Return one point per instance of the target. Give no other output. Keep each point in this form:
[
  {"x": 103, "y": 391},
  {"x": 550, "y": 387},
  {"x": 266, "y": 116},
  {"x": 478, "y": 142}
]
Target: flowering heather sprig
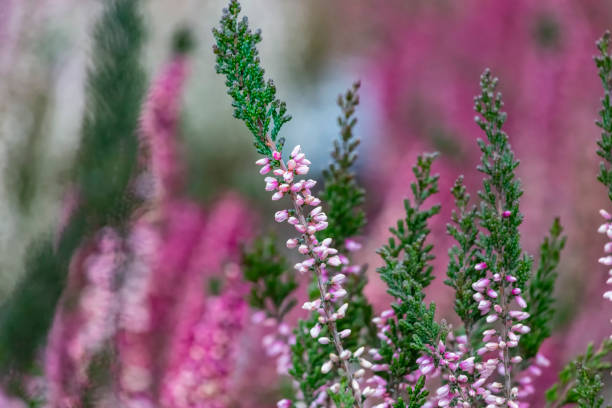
[
  {"x": 604, "y": 66},
  {"x": 407, "y": 329},
  {"x": 320, "y": 255},
  {"x": 255, "y": 104},
  {"x": 508, "y": 268},
  {"x": 84, "y": 321}
]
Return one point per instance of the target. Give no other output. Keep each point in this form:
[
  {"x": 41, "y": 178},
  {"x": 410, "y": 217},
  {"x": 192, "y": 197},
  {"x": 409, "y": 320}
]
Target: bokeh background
[{"x": 419, "y": 64}]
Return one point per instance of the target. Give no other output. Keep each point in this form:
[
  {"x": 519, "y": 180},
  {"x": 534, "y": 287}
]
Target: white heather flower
[
  {"x": 315, "y": 330},
  {"x": 326, "y": 367}
]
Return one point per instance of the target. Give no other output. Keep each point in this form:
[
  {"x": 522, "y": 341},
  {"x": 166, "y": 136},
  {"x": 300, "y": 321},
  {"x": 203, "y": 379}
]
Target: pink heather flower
[
  {"x": 8, "y": 402},
  {"x": 159, "y": 125},
  {"x": 80, "y": 330},
  {"x": 201, "y": 375},
  {"x": 284, "y": 403}
]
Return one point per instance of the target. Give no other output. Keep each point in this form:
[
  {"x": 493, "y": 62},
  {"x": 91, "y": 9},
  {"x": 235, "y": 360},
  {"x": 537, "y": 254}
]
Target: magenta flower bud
[
  {"x": 518, "y": 315},
  {"x": 334, "y": 261},
  {"x": 276, "y": 155},
  {"x": 316, "y": 211},
  {"x": 521, "y": 328},
  {"x": 491, "y": 293},
  {"x": 506, "y": 214},
  {"x": 281, "y": 216},
  {"x": 339, "y": 278},
  {"x": 323, "y": 340},
  {"x": 292, "y": 243},
  {"x": 345, "y": 333},
  {"x": 278, "y": 172},
  {"x": 605, "y": 214},
  {"x": 288, "y": 177},
  {"x": 492, "y": 318},
  {"x": 315, "y": 201},
  {"x": 516, "y": 291},
  {"x": 296, "y": 151},
  {"x": 291, "y": 165},
  {"x": 262, "y": 162},
  {"x": 481, "y": 266},
  {"x": 340, "y": 293},
  {"x": 480, "y": 285},
  {"x": 296, "y": 187},
  {"x": 607, "y": 260},
  {"x": 284, "y": 403},
  {"x": 484, "y": 305},
  {"x": 303, "y": 249},
  {"x": 510, "y": 278},
  {"x": 265, "y": 169},
  {"x": 315, "y": 331},
  {"x": 277, "y": 196},
  {"x": 521, "y": 302}
]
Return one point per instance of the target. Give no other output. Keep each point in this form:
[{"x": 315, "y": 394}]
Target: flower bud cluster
[
  {"x": 320, "y": 257},
  {"x": 606, "y": 228},
  {"x": 494, "y": 296}
]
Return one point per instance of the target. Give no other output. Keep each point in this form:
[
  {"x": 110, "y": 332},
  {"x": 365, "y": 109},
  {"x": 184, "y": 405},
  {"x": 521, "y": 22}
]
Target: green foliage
[
  {"x": 115, "y": 90},
  {"x": 343, "y": 196},
  {"x": 416, "y": 396},
  {"x": 604, "y": 66},
  {"x": 346, "y": 218},
  {"x": 254, "y": 99},
  {"x": 104, "y": 166},
  {"x": 539, "y": 294},
  {"x": 463, "y": 256},
  {"x": 501, "y": 189},
  {"x": 407, "y": 271},
  {"x": 580, "y": 380},
  {"x": 273, "y": 281},
  {"x": 407, "y": 256}
]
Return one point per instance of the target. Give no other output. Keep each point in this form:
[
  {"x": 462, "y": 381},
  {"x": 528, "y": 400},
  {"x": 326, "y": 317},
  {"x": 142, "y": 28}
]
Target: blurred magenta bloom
[{"x": 84, "y": 320}]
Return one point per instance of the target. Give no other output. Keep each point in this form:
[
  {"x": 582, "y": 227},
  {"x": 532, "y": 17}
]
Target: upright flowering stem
[
  {"x": 499, "y": 244},
  {"x": 309, "y": 245}
]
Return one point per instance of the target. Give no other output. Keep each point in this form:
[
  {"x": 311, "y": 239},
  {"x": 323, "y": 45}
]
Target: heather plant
[
  {"x": 103, "y": 170},
  {"x": 147, "y": 298},
  {"x": 504, "y": 302}
]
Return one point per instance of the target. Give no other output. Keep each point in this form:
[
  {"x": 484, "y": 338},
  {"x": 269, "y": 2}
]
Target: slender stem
[{"x": 327, "y": 306}]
